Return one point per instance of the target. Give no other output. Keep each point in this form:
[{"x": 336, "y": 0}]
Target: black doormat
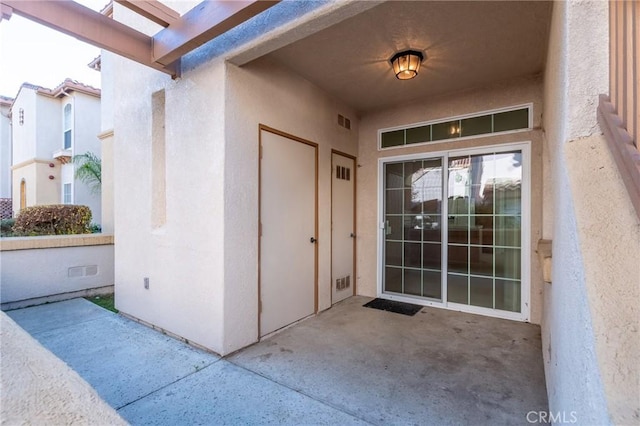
[{"x": 393, "y": 306}]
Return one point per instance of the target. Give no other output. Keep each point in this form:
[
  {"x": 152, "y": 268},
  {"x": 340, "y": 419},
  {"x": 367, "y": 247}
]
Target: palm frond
[{"x": 89, "y": 170}]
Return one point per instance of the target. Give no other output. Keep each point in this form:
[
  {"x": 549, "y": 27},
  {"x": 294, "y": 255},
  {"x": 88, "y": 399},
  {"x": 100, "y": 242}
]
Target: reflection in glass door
[
  {"x": 413, "y": 240},
  {"x": 481, "y": 233}
]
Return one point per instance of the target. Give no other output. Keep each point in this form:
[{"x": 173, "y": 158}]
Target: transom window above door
[{"x": 475, "y": 125}]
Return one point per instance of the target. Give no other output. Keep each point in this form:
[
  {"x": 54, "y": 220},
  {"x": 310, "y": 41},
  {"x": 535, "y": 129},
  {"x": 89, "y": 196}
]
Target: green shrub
[
  {"x": 5, "y": 227},
  {"x": 57, "y": 219},
  {"x": 94, "y": 228}
]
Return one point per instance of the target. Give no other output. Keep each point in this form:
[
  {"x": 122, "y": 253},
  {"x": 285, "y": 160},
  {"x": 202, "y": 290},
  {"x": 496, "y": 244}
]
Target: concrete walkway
[{"x": 348, "y": 365}]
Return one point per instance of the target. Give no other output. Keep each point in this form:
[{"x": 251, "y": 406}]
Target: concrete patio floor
[{"x": 348, "y": 365}]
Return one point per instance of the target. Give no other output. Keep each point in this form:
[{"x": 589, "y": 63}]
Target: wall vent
[
  {"x": 82, "y": 271},
  {"x": 343, "y": 283},
  {"x": 344, "y": 122},
  {"x": 343, "y": 173}
]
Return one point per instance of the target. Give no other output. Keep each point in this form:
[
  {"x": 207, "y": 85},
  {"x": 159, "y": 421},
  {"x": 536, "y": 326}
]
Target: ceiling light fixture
[{"x": 406, "y": 64}]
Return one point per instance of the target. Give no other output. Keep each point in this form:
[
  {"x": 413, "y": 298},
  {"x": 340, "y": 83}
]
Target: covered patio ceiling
[{"x": 467, "y": 45}]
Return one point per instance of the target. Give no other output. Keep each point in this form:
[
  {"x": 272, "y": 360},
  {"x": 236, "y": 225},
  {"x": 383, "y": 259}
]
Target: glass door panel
[
  {"x": 483, "y": 229},
  {"x": 413, "y": 228}
]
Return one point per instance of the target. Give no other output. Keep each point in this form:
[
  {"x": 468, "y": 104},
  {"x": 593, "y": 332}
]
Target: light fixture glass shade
[{"x": 406, "y": 64}]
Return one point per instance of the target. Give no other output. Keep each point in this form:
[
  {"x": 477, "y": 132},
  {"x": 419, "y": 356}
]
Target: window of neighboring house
[
  {"x": 21, "y": 116},
  {"x": 66, "y": 194},
  {"x": 23, "y": 194},
  {"x": 67, "y": 126}
]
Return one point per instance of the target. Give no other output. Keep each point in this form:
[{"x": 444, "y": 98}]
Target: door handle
[
  {"x": 352, "y": 235},
  {"x": 312, "y": 240}
]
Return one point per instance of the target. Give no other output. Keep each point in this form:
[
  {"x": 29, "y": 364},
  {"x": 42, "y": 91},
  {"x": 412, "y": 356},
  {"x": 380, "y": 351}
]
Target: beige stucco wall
[
  {"x": 183, "y": 259},
  {"x": 24, "y": 135},
  {"x": 609, "y": 236},
  {"x": 40, "y": 189},
  {"x": 86, "y": 125},
  {"x": 302, "y": 110},
  {"x": 591, "y": 321},
  {"x": 5, "y": 151},
  {"x": 37, "y": 267},
  {"x": 517, "y": 92},
  {"x": 202, "y": 261},
  {"x": 106, "y": 187}
]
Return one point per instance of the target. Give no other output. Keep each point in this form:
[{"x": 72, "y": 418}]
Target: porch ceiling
[{"x": 467, "y": 44}]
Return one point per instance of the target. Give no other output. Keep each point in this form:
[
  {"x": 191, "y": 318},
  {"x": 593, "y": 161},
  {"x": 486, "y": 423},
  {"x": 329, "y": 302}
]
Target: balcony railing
[{"x": 618, "y": 112}]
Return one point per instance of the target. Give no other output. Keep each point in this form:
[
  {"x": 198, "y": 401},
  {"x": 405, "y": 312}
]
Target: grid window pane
[
  {"x": 394, "y": 228},
  {"x": 458, "y": 260},
  {"x": 393, "y": 201},
  {"x": 482, "y": 262},
  {"x": 393, "y": 254},
  {"x": 413, "y": 228},
  {"x": 481, "y": 292},
  {"x": 394, "y": 176},
  {"x": 448, "y": 130},
  {"x": 511, "y": 120},
  {"x": 413, "y": 255},
  {"x": 508, "y": 231},
  {"x": 508, "y": 295},
  {"x": 432, "y": 284},
  {"x": 393, "y": 138},
  {"x": 432, "y": 230},
  {"x": 457, "y": 289},
  {"x": 508, "y": 263},
  {"x": 475, "y": 125},
  {"x": 412, "y": 282},
  {"x": 419, "y": 134},
  {"x": 393, "y": 279},
  {"x": 67, "y": 139},
  {"x": 432, "y": 255},
  {"x": 412, "y": 202}
]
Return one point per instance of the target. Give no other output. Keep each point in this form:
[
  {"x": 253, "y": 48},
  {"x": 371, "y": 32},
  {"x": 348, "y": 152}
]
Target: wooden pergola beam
[
  {"x": 207, "y": 20},
  {"x": 91, "y": 27},
  {"x": 152, "y": 10},
  {"x": 163, "y": 51},
  {"x": 5, "y": 12}
]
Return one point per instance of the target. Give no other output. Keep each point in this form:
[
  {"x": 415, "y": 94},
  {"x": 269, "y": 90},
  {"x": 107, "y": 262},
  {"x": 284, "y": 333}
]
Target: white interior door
[
  {"x": 288, "y": 231},
  {"x": 342, "y": 227}
]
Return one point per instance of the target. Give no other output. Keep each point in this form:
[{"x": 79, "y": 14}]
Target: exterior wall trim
[
  {"x": 625, "y": 154},
  {"x": 29, "y": 162},
  {"x": 106, "y": 134},
  {"x": 54, "y": 241}
]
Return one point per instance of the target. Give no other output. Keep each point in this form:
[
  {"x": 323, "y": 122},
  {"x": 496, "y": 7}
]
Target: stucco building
[
  {"x": 286, "y": 167},
  {"x": 5, "y": 157},
  {"x": 49, "y": 127}
]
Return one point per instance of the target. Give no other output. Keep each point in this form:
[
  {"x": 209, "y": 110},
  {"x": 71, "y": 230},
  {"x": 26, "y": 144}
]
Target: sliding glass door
[{"x": 465, "y": 251}]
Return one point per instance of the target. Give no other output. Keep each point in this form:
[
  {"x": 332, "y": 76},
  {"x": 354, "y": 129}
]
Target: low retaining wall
[{"x": 35, "y": 270}]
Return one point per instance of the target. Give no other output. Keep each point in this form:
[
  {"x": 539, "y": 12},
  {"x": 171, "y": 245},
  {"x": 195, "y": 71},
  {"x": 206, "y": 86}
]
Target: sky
[{"x": 33, "y": 53}]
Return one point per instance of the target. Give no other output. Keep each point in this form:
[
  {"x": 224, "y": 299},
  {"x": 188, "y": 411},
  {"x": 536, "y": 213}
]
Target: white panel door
[
  {"x": 342, "y": 227},
  {"x": 288, "y": 222}
]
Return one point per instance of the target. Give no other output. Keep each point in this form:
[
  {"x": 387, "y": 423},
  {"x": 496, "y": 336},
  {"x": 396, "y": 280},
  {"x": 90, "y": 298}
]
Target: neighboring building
[
  {"x": 5, "y": 157},
  {"x": 49, "y": 127},
  {"x": 484, "y": 185}
]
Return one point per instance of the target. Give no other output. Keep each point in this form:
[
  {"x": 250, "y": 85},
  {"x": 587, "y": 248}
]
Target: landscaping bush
[
  {"x": 94, "y": 228},
  {"x": 5, "y": 227},
  {"x": 57, "y": 219}
]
